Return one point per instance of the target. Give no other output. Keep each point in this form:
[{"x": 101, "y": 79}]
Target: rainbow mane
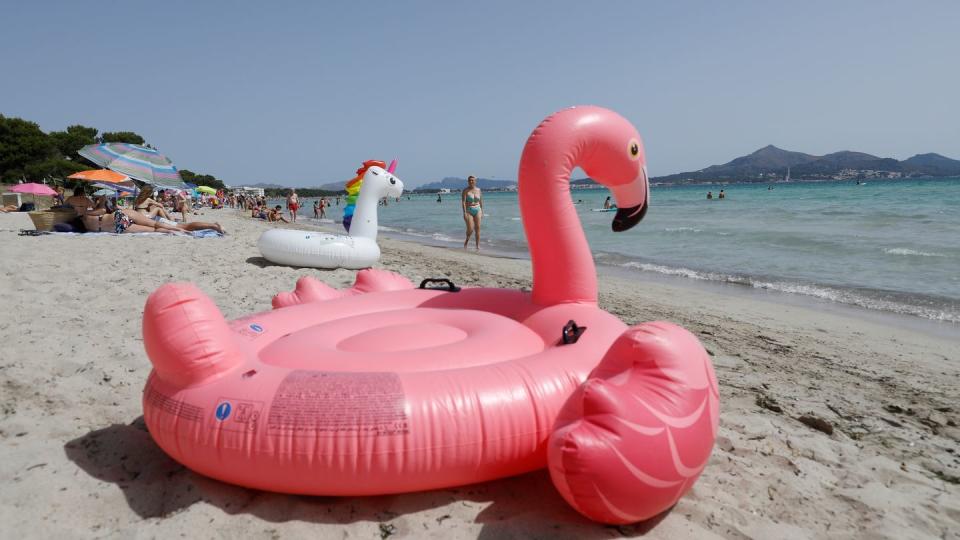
[{"x": 353, "y": 190}]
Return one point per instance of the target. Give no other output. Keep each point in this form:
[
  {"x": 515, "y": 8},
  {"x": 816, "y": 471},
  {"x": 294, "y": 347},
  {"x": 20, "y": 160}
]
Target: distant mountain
[
  {"x": 771, "y": 163},
  {"x": 334, "y": 186},
  {"x": 933, "y": 164},
  {"x": 456, "y": 183},
  {"x": 584, "y": 182}
]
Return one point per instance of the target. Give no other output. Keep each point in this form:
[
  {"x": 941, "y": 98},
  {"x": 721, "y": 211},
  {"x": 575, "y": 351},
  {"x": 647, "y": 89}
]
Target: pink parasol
[{"x": 33, "y": 188}]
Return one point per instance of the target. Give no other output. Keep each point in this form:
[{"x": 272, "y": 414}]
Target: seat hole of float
[{"x": 249, "y": 374}]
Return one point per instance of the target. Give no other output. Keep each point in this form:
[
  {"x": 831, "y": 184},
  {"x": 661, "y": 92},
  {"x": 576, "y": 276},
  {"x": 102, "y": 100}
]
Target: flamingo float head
[
  {"x": 608, "y": 148},
  {"x": 615, "y": 158}
]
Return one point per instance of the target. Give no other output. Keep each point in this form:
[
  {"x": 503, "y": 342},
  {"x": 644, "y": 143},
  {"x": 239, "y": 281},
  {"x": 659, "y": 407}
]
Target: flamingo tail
[
  {"x": 637, "y": 434},
  {"x": 311, "y": 289},
  {"x": 186, "y": 337}
]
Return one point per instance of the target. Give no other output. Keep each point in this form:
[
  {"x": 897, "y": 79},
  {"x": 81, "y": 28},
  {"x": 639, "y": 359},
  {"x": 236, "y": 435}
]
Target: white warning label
[{"x": 332, "y": 404}]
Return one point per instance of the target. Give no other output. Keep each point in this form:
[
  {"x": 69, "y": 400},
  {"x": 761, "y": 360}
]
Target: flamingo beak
[
  {"x": 626, "y": 218},
  {"x": 632, "y": 202}
]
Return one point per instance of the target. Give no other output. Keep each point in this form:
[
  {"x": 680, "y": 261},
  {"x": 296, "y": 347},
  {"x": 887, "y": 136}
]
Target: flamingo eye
[{"x": 634, "y": 149}]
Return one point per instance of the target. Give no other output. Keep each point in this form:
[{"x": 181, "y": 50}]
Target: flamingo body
[{"x": 386, "y": 388}]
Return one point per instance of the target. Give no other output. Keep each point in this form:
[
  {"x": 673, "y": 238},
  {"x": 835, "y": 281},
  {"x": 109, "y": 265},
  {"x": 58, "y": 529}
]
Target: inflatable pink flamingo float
[{"x": 387, "y": 387}]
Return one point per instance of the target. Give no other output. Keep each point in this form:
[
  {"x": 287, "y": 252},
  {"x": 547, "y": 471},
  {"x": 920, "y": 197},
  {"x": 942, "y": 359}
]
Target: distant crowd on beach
[{"x": 150, "y": 211}]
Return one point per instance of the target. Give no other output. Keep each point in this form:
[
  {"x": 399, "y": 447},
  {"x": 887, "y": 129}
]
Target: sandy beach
[{"x": 831, "y": 425}]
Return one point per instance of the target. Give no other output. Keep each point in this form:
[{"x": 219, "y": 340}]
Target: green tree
[
  {"x": 74, "y": 138},
  {"x": 53, "y": 168},
  {"x": 209, "y": 180},
  {"x": 122, "y": 136},
  {"x": 23, "y": 144}
]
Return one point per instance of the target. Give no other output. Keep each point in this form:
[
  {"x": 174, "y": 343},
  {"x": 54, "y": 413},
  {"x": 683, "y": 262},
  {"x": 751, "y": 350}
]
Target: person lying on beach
[
  {"x": 276, "y": 214},
  {"x": 9, "y": 208},
  {"x": 79, "y": 201},
  {"x": 102, "y": 206},
  {"x": 258, "y": 212},
  {"x": 148, "y": 206},
  {"x": 132, "y": 221}
]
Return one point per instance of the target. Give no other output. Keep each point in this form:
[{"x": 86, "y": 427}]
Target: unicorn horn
[{"x": 392, "y": 167}]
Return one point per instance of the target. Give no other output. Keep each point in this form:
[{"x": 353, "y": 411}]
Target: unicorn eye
[{"x": 393, "y": 180}]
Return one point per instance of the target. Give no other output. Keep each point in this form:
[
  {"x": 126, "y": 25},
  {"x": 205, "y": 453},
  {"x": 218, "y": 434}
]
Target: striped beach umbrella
[{"x": 137, "y": 162}]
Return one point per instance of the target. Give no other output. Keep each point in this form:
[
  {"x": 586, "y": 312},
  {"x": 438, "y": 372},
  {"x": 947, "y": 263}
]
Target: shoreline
[
  {"x": 945, "y": 329},
  {"x": 78, "y": 462}
]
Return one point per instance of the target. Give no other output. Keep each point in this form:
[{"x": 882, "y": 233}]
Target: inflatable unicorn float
[
  {"x": 387, "y": 387},
  {"x": 359, "y": 249}
]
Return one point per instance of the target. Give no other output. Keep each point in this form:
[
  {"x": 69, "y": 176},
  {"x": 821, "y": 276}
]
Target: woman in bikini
[
  {"x": 123, "y": 220},
  {"x": 149, "y": 207},
  {"x": 471, "y": 200}
]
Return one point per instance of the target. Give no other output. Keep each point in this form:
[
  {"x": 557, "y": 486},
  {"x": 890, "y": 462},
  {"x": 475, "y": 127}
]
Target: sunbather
[
  {"x": 276, "y": 214},
  {"x": 125, "y": 220},
  {"x": 79, "y": 201},
  {"x": 148, "y": 206}
]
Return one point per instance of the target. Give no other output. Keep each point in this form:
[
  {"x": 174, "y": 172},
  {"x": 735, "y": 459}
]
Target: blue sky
[{"x": 300, "y": 93}]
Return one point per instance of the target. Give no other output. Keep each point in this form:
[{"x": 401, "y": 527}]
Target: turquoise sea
[{"x": 890, "y": 245}]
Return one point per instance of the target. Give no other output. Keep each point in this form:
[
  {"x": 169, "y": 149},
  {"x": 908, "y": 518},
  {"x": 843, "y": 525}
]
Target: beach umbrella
[
  {"x": 100, "y": 175},
  {"x": 105, "y": 192},
  {"x": 137, "y": 162},
  {"x": 126, "y": 187},
  {"x": 206, "y": 189},
  {"x": 34, "y": 189}
]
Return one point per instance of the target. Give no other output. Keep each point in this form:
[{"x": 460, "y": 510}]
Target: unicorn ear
[{"x": 392, "y": 167}]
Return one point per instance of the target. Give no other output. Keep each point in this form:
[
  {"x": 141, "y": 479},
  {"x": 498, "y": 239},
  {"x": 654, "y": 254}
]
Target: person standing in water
[
  {"x": 607, "y": 204},
  {"x": 722, "y": 196},
  {"x": 709, "y": 194},
  {"x": 293, "y": 204},
  {"x": 471, "y": 200}
]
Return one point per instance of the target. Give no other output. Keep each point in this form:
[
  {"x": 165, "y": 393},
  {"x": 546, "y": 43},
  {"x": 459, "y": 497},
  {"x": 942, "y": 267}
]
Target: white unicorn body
[{"x": 318, "y": 249}]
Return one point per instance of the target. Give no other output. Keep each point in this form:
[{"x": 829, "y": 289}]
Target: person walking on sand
[
  {"x": 471, "y": 200},
  {"x": 323, "y": 207},
  {"x": 316, "y": 209},
  {"x": 293, "y": 204}
]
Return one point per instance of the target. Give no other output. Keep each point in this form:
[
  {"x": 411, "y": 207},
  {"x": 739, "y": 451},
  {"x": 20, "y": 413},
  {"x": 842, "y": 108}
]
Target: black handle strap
[
  {"x": 571, "y": 332},
  {"x": 449, "y": 285}
]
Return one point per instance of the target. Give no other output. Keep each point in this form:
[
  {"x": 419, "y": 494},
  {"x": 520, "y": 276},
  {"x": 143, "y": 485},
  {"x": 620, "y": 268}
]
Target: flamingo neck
[
  {"x": 364, "y": 224},
  {"x": 563, "y": 269}
]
